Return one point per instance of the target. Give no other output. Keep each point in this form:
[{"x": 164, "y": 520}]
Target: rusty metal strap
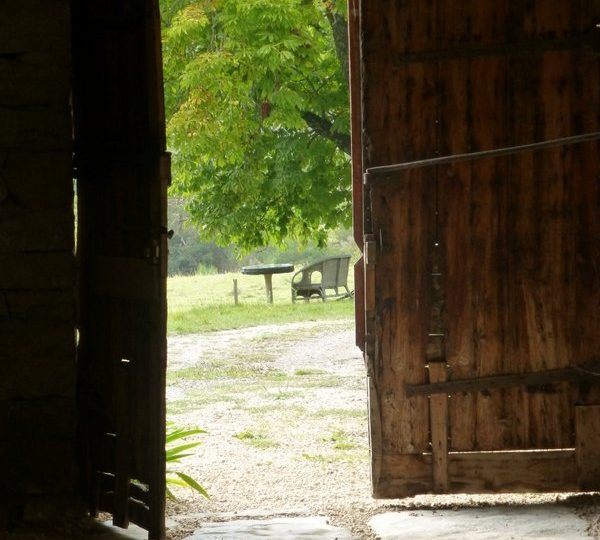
[
  {"x": 587, "y": 373},
  {"x": 373, "y": 173}
]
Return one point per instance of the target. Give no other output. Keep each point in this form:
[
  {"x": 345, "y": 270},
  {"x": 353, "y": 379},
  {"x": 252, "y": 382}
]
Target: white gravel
[{"x": 301, "y": 474}]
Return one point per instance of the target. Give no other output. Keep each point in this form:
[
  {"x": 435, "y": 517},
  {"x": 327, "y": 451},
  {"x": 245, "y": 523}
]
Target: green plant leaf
[
  {"x": 175, "y": 452},
  {"x": 181, "y": 433},
  {"x": 193, "y": 484}
]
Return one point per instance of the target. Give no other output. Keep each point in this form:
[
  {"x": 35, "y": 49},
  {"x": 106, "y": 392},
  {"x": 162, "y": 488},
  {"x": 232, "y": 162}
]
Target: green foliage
[
  {"x": 175, "y": 453},
  {"x": 188, "y": 255},
  {"x": 258, "y": 117}
]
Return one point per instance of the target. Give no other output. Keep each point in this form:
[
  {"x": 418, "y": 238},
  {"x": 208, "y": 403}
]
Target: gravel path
[
  {"x": 305, "y": 448},
  {"x": 299, "y": 471}
]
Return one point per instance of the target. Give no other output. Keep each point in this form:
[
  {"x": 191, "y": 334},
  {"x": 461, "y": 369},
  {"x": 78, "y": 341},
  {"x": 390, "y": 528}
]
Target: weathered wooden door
[
  {"x": 122, "y": 172},
  {"x": 482, "y": 273}
]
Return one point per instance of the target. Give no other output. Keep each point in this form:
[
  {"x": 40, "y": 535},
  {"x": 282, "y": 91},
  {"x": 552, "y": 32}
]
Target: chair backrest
[
  {"x": 335, "y": 271},
  {"x": 342, "y": 279}
]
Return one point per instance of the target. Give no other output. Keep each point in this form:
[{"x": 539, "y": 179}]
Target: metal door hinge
[{"x": 370, "y": 250}]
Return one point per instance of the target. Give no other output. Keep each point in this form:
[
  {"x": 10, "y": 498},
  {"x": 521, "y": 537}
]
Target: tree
[{"x": 258, "y": 119}]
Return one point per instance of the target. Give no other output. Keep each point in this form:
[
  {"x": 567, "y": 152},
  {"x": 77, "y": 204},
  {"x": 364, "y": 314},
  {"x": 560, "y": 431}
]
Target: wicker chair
[{"x": 315, "y": 280}]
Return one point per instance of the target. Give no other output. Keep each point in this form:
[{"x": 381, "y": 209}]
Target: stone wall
[{"x": 37, "y": 269}]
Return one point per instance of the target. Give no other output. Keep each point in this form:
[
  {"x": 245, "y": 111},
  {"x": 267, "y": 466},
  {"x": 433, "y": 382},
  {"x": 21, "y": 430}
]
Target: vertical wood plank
[
  {"x": 438, "y": 410},
  {"x": 587, "y": 447},
  {"x": 123, "y": 443}
]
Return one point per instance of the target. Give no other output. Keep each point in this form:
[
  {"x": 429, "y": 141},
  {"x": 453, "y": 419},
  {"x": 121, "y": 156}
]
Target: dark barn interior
[
  {"x": 83, "y": 334},
  {"x": 478, "y": 300}
]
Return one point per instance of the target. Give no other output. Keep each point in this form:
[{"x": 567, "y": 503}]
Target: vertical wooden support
[
  {"x": 587, "y": 447},
  {"x": 123, "y": 445},
  {"x": 357, "y": 169},
  {"x": 438, "y": 408},
  {"x": 370, "y": 256},
  {"x": 235, "y": 292}
]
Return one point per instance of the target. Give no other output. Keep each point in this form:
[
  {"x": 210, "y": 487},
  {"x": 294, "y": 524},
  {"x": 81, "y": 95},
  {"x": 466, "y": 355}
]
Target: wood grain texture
[
  {"x": 513, "y": 472},
  {"x": 518, "y": 234},
  {"x": 401, "y": 279},
  {"x": 587, "y": 447},
  {"x": 438, "y": 411},
  {"x": 403, "y": 475}
]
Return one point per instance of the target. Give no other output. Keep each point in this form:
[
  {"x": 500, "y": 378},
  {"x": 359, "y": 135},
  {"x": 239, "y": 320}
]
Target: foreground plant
[{"x": 174, "y": 454}]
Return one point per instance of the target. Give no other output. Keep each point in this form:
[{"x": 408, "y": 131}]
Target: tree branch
[
  {"x": 324, "y": 127},
  {"x": 339, "y": 28}
]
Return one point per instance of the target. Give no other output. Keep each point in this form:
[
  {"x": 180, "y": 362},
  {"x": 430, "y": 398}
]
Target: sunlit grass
[{"x": 206, "y": 303}]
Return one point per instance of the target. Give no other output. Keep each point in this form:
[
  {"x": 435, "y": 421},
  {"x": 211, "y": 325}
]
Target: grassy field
[{"x": 206, "y": 302}]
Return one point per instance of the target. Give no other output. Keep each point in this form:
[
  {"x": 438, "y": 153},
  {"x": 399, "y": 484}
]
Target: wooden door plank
[
  {"x": 401, "y": 281},
  {"x": 121, "y": 277},
  {"x": 404, "y": 475},
  {"x": 512, "y": 472},
  {"x": 438, "y": 407},
  {"x": 587, "y": 447}
]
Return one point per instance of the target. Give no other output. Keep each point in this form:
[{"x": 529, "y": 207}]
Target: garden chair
[{"x": 323, "y": 279}]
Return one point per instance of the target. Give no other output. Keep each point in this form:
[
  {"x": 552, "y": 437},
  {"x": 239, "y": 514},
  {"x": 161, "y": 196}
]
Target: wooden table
[{"x": 268, "y": 270}]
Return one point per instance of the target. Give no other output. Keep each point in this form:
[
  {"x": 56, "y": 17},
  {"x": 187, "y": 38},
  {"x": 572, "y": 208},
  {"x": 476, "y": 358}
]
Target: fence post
[{"x": 235, "y": 292}]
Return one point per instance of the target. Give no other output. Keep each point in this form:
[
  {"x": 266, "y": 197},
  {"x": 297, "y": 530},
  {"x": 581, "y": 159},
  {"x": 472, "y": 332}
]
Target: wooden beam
[
  {"x": 513, "y": 471},
  {"x": 406, "y": 475}
]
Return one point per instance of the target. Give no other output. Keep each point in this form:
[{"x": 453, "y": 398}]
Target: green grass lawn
[{"x": 205, "y": 303}]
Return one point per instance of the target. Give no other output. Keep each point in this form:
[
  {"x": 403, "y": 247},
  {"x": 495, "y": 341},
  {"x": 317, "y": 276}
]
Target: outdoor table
[{"x": 268, "y": 270}]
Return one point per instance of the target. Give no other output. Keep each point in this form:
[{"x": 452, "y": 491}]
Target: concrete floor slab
[
  {"x": 106, "y": 531},
  {"x": 302, "y": 528},
  {"x": 544, "y": 522}
]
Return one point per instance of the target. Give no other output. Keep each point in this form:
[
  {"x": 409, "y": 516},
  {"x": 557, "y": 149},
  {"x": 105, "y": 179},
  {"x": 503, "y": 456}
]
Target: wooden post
[{"x": 235, "y": 291}]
